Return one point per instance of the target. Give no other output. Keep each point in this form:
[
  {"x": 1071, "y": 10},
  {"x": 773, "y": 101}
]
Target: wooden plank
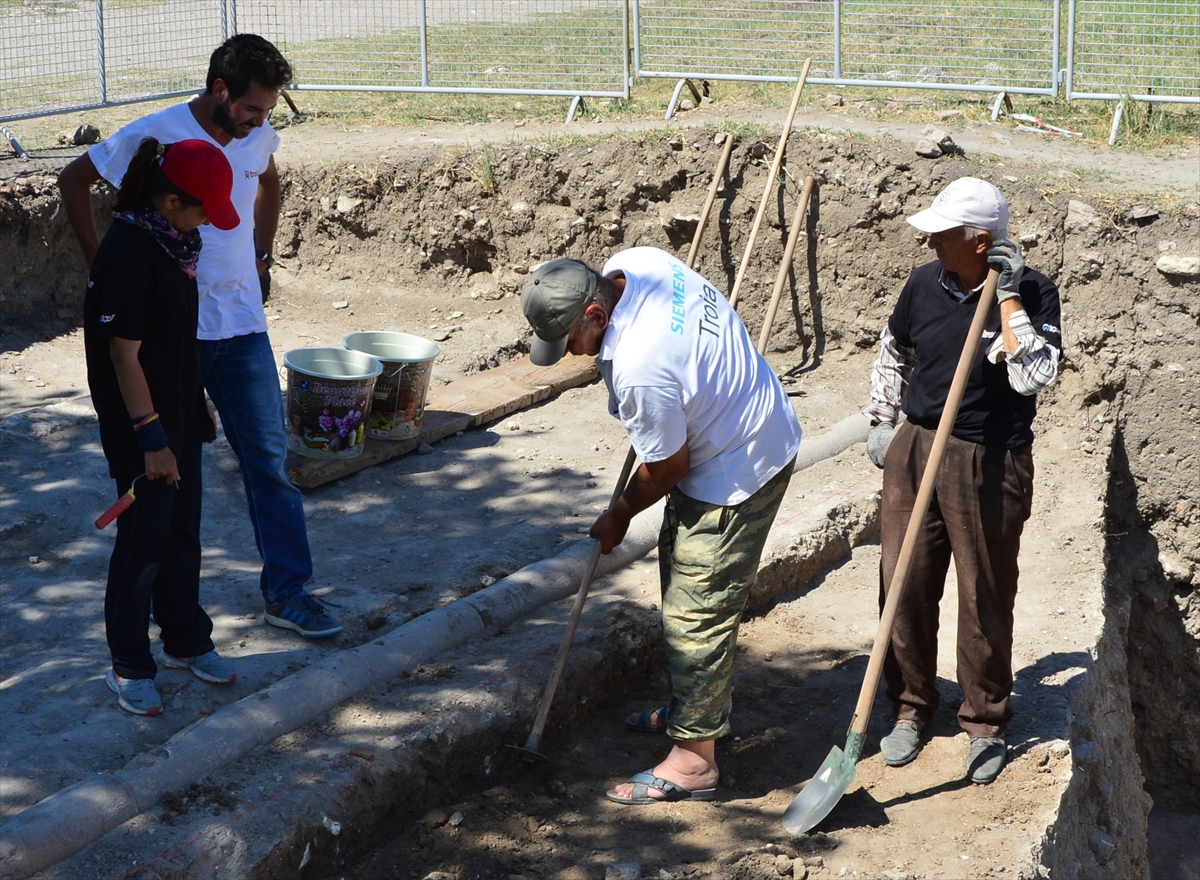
[{"x": 467, "y": 403}]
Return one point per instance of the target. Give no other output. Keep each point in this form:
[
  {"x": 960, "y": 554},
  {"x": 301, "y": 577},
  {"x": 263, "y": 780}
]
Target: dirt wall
[
  {"x": 1139, "y": 352},
  {"x": 44, "y": 277}
]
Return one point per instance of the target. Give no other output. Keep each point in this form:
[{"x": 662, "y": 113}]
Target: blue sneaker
[
  {"x": 303, "y": 614},
  {"x": 207, "y": 667},
  {"x": 136, "y": 695}
]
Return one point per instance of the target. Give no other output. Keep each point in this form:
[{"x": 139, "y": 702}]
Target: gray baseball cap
[{"x": 553, "y": 299}]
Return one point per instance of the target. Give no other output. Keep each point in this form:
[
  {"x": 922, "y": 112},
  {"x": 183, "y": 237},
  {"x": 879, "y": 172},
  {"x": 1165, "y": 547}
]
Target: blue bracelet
[{"x": 152, "y": 436}]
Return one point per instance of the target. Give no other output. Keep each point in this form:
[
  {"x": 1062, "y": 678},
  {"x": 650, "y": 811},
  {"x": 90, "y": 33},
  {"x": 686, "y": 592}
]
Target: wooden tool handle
[
  {"x": 883, "y": 636},
  {"x": 581, "y": 595},
  {"x": 708, "y": 203},
  {"x": 539, "y": 724},
  {"x": 767, "y": 191},
  {"x": 785, "y": 265}
]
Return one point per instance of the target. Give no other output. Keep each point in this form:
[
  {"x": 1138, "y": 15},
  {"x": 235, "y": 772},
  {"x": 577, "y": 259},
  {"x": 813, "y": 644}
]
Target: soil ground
[{"x": 421, "y": 531}]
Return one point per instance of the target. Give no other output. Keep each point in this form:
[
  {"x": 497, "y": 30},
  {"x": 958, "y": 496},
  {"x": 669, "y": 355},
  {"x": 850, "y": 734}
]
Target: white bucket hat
[{"x": 968, "y": 201}]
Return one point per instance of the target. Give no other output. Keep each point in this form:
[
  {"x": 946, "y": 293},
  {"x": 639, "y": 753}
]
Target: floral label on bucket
[{"x": 327, "y": 418}]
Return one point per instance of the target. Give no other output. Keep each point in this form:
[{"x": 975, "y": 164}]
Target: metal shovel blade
[
  {"x": 821, "y": 795},
  {"x": 529, "y": 751}
]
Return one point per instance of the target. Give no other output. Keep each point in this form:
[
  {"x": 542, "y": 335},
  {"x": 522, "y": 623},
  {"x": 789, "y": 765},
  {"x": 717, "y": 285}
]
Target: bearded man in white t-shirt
[
  {"x": 716, "y": 435},
  {"x": 246, "y": 74}
]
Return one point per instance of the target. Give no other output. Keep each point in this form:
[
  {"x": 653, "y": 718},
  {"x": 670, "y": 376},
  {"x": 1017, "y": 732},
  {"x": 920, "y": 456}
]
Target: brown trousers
[{"x": 981, "y": 499}]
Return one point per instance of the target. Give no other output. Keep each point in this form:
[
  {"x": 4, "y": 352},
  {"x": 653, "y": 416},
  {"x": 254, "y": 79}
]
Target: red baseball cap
[{"x": 201, "y": 170}]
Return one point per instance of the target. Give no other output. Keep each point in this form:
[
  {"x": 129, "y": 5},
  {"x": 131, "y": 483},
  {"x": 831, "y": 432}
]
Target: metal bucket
[
  {"x": 401, "y": 388},
  {"x": 329, "y": 396}
]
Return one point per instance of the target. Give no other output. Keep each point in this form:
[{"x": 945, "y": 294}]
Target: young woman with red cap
[{"x": 140, "y": 338}]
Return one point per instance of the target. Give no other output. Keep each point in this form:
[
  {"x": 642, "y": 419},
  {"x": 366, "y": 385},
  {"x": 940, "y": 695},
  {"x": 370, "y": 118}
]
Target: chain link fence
[
  {"x": 58, "y": 56},
  {"x": 544, "y": 47},
  {"x": 63, "y": 55},
  {"x": 983, "y": 46},
  {"x": 748, "y": 40},
  {"x": 1144, "y": 50}
]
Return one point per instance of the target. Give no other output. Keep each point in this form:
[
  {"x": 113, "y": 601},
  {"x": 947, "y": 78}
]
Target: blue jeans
[{"x": 243, "y": 382}]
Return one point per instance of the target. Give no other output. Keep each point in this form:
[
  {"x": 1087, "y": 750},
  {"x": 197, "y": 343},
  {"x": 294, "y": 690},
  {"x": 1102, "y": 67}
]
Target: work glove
[
  {"x": 1005, "y": 257},
  {"x": 879, "y": 438}
]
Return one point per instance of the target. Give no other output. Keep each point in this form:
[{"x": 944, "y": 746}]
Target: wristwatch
[{"x": 264, "y": 257}]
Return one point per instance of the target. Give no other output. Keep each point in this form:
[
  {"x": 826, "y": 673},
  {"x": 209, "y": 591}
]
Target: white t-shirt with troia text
[
  {"x": 230, "y": 294},
  {"x": 680, "y": 367}
]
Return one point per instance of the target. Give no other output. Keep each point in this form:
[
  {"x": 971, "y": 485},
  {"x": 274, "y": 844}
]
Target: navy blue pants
[{"x": 157, "y": 557}]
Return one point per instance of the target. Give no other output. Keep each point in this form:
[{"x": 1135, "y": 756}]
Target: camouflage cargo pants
[{"x": 708, "y": 559}]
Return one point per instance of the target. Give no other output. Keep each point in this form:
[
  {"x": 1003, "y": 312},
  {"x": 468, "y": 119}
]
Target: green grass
[
  {"x": 1138, "y": 49},
  {"x": 1160, "y": 128},
  {"x": 483, "y": 167}
]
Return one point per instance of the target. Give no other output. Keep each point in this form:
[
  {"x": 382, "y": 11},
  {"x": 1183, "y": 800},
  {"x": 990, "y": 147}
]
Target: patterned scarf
[{"x": 183, "y": 247}]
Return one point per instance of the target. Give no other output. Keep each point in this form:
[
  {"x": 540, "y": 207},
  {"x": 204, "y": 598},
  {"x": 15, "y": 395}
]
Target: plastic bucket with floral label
[
  {"x": 400, "y": 391},
  {"x": 329, "y": 396}
]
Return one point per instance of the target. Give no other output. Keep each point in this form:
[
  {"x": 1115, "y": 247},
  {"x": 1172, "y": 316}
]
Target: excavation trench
[{"x": 427, "y": 244}]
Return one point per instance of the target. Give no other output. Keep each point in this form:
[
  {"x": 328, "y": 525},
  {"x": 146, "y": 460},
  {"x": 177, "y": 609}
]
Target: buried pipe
[
  {"x": 65, "y": 822},
  {"x": 839, "y": 438},
  {"x": 62, "y": 824}
]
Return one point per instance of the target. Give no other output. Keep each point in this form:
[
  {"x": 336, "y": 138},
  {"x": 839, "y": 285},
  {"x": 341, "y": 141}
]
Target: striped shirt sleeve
[
  {"x": 889, "y": 377},
  {"x": 1034, "y": 365}
]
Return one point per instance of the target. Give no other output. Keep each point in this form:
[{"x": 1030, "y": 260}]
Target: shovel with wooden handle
[
  {"x": 529, "y": 751},
  {"x": 826, "y": 788}
]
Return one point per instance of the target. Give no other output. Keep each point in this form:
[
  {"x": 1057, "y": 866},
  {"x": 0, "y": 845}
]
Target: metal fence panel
[
  {"x": 58, "y": 55},
  {"x": 567, "y": 47},
  {"x": 1001, "y": 44},
  {"x": 333, "y": 43},
  {"x": 157, "y": 49},
  {"x": 1139, "y": 49},
  {"x": 734, "y": 39},
  {"x": 48, "y": 57}
]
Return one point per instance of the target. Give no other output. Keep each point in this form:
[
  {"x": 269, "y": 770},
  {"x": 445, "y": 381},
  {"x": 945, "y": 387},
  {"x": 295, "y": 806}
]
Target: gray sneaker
[
  {"x": 986, "y": 757},
  {"x": 136, "y": 695},
  {"x": 901, "y": 745},
  {"x": 207, "y": 667}
]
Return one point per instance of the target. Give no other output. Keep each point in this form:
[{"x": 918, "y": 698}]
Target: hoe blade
[{"x": 823, "y": 792}]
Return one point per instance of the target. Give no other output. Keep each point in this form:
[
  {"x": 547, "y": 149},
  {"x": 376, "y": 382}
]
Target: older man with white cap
[{"x": 984, "y": 488}]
